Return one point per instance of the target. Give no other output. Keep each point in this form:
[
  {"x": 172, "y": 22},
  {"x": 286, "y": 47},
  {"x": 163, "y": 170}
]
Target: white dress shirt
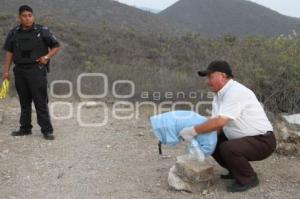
[{"x": 239, "y": 103}]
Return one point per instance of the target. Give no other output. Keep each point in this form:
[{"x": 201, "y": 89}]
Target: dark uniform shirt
[{"x": 48, "y": 37}]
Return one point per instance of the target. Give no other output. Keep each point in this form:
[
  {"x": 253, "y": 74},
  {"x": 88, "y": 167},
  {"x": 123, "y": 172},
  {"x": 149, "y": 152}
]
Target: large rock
[
  {"x": 286, "y": 148},
  {"x": 190, "y": 175},
  {"x": 175, "y": 182},
  {"x": 287, "y": 128},
  {"x": 287, "y": 132},
  {"x": 281, "y": 131},
  {"x": 293, "y": 121},
  {"x": 191, "y": 170}
]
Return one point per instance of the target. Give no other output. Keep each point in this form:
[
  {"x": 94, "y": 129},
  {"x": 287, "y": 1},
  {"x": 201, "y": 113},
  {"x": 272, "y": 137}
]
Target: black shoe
[
  {"x": 228, "y": 176},
  {"x": 21, "y": 132},
  {"x": 49, "y": 136},
  {"x": 236, "y": 187}
]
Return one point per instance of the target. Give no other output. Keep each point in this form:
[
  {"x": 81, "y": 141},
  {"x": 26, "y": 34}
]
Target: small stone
[
  {"x": 141, "y": 134},
  {"x": 165, "y": 156},
  {"x": 5, "y": 151},
  {"x": 1, "y": 116},
  {"x": 60, "y": 175}
]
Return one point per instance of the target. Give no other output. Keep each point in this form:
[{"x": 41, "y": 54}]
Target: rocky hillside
[
  {"x": 236, "y": 17},
  {"x": 97, "y": 13},
  {"x": 158, "y": 63}
]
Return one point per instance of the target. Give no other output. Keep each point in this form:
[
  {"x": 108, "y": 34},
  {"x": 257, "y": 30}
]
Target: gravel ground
[{"x": 118, "y": 160}]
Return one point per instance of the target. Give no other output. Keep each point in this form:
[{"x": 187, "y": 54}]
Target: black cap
[{"x": 217, "y": 66}]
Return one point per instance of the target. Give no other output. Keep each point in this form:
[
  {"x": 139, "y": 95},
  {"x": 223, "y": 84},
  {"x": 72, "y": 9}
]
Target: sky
[{"x": 286, "y": 7}]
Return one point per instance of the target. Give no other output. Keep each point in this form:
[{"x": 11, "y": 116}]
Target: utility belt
[
  {"x": 29, "y": 66},
  {"x": 268, "y": 133}
]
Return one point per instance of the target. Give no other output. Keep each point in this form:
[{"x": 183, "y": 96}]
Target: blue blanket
[{"x": 167, "y": 126}]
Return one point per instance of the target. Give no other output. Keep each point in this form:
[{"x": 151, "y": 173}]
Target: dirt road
[{"x": 118, "y": 160}]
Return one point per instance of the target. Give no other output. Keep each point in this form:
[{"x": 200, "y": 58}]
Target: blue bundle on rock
[{"x": 167, "y": 126}]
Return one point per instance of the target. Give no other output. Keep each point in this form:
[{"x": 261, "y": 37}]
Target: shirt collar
[{"x": 223, "y": 90}]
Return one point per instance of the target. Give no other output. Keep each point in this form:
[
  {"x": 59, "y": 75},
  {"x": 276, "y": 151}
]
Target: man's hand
[
  {"x": 188, "y": 133},
  {"x": 5, "y": 75},
  {"x": 42, "y": 60},
  {"x": 6, "y": 68}
]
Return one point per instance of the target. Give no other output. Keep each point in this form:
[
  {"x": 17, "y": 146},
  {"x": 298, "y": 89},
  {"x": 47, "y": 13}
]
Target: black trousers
[
  {"x": 31, "y": 86},
  {"x": 234, "y": 155}
]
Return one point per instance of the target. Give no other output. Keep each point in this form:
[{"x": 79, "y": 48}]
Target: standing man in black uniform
[{"x": 30, "y": 46}]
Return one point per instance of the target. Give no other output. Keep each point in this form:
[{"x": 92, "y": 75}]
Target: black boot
[
  {"x": 49, "y": 136},
  {"x": 21, "y": 132},
  {"x": 237, "y": 187}
]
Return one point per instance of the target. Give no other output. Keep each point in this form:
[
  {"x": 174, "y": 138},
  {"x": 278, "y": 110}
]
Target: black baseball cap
[{"x": 217, "y": 66}]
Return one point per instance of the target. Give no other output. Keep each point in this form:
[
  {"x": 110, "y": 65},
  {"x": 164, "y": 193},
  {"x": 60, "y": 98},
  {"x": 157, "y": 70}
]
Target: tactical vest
[{"x": 28, "y": 46}]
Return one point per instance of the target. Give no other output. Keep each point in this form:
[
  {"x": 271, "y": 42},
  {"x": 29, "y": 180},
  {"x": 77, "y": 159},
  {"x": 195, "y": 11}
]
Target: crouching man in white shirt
[{"x": 244, "y": 131}]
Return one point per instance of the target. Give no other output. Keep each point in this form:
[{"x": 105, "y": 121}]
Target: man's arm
[
  {"x": 7, "y": 64},
  {"x": 44, "y": 59},
  {"x": 213, "y": 124},
  {"x": 52, "y": 42}
]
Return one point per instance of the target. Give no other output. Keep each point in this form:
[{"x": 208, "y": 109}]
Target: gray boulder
[
  {"x": 190, "y": 175},
  {"x": 175, "y": 182},
  {"x": 287, "y": 128},
  {"x": 193, "y": 171},
  {"x": 293, "y": 121}
]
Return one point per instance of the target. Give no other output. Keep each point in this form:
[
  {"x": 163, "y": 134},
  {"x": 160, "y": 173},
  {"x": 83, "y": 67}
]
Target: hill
[
  {"x": 235, "y": 17},
  {"x": 160, "y": 64},
  {"x": 96, "y": 13}
]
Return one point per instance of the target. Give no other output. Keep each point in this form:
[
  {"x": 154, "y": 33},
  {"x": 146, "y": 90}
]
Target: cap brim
[{"x": 203, "y": 73}]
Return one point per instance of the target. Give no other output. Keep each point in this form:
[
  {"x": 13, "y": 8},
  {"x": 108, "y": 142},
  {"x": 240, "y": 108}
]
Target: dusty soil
[{"x": 118, "y": 160}]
